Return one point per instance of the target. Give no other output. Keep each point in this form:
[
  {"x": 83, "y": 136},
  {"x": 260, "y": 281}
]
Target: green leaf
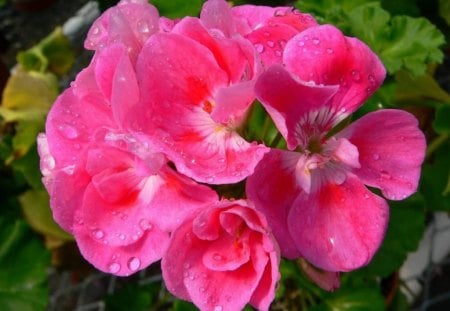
[
  {"x": 352, "y": 299},
  {"x": 441, "y": 122},
  {"x": 54, "y": 53},
  {"x": 28, "y": 167},
  {"x": 23, "y": 268},
  {"x": 401, "y": 7},
  {"x": 402, "y": 42},
  {"x": 399, "y": 302},
  {"x": 444, "y": 10},
  {"x": 401, "y": 238},
  {"x": 25, "y": 138},
  {"x": 435, "y": 179},
  {"x": 37, "y": 212},
  {"x": 132, "y": 297},
  {"x": 28, "y": 96},
  {"x": 180, "y": 305},
  {"x": 178, "y": 8}
]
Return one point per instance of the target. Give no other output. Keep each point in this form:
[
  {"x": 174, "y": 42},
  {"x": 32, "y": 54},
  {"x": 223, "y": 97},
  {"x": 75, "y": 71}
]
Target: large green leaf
[
  {"x": 401, "y": 237},
  {"x": 402, "y": 42},
  {"x": 441, "y": 122},
  {"x": 23, "y": 268}
]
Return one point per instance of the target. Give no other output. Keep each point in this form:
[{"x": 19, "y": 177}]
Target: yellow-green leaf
[{"x": 28, "y": 95}]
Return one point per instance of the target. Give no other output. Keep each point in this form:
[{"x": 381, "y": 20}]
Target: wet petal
[
  {"x": 339, "y": 227},
  {"x": 391, "y": 151}
]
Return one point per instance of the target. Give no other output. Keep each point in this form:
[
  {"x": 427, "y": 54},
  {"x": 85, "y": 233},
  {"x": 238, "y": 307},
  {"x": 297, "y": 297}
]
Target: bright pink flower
[
  {"x": 223, "y": 258},
  {"x": 198, "y": 82},
  {"x": 325, "y": 213},
  {"x": 109, "y": 186},
  {"x": 269, "y": 29}
]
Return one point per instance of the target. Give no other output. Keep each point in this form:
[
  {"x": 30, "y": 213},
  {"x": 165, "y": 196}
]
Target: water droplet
[
  {"x": 279, "y": 12},
  {"x": 270, "y": 44},
  {"x": 68, "y": 131},
  {"x": 202, "y": 289},
  {"x": 385, "y": 175},
  {"x": 316, "y": 41},
  {"x": 145, "y": 224},
  {"x": 282, "y": 43},
  {"x": 114, "y": 267},
  {"x": 98, "y": 234},
  {"x": 210, "y": 179},
  {"x": 278, "y": 53},
  {"x": 376, "y": 156},
  {"x": 143, "y": 27},
  {"x": 300, "y": 43},
  {"x": 218, "y": 308},
  {"x": 122, "y": 236},
  {"x": 356, "y": 75},
  {"x": 95, "y": 30},
  {"x": 366, "y": 196},
  {"x": 134, "y": 264},
  {"x": 186, "y": 265},
  {"x": 371, "y": 79},
  {"x": 330, "y": 51},
  {"x": 217, "y": 257},
  {"x": 266, "y": 33}
]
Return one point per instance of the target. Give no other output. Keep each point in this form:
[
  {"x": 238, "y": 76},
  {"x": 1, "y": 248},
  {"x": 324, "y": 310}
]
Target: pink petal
[
  {"x": 293, "y": 104},
  {"x": 170, "y": 81},
  {"x": 339, "y": 227},
  {"x": 264, "y": 294},
  {"x": 322, "y": 54},
  {"x": 270, "y": 41},
  {"x": 391, "y": 151},
  {"x": 276, "y": 171},
  {"x": 130, "y": 23},
  {"x": 121, "y": 260},
  {"x": 206, "y": 151}
]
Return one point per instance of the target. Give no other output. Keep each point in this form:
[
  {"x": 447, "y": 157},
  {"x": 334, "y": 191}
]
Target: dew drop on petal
[
  {"x": 218, "y": 308},
  {"x": 114, "y": 267},
  {"x": 300, "y": 43},
  {"x": 330, "y": 51},
  {"x": 217, "y": 257},
  {"x": 143, "y": 27},
  {"x": 316, "y": 41},
  {"x": 270, "y": 44},
  {"x": 376, "y": 156},
  {"x": 356, "y": 75},
  {"x": 98, "y": 234},
  {"x": 145, "y": 224},
  {"x": 259, "y": 47},
  {"x": 68, "y": 131},
  {"x": 134, "y": 264}
]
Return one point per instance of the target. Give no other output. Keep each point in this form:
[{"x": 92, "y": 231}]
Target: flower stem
[{"x": 436, "y": 143}]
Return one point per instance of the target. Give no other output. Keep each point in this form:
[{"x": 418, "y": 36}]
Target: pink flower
[
  {"x": 223, "y": 258},
  {"x": 198, "y": 83},
  {"x": 110, "y": 186},
  {"x": 324, "y": 212}
]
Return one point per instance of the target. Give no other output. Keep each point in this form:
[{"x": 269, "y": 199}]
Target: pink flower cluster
[{"x": 135, "y": 147}]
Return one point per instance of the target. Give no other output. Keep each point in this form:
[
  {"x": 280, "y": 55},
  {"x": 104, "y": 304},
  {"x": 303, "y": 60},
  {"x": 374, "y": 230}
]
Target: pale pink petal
[
  {"x": 339, "y": 227},
  {"x": 326, "y": 280},
  {"x": 300, "y": 111},
  {"x": 206, "y": 151},
  {"x": 324, "y": 55},
  {"x": 121, "y": 260},
  {"x": 216, "y": 14},
  {"x": 130, "y": 23},
  {"x": 391, "y": 151},
  {"x": 276, "y": 171},
  {"x": 253, "y": 16}
]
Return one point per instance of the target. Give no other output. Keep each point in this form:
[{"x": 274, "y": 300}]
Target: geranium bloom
[
  {"x": 269, "y": 29},
  {"x": 198, "y": 80},
  {"x": 230, "y": 258},
  {"x": 110, "y": 186},
  {"x": 313, "y": 195}
]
